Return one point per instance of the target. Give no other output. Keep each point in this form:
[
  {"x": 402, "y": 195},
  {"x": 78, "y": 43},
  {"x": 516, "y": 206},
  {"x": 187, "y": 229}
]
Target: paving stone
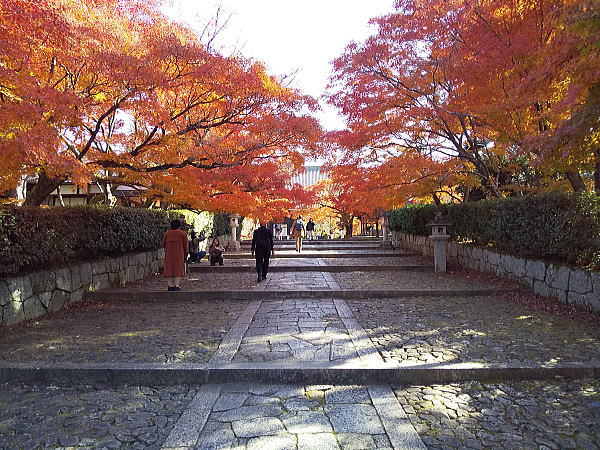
[
  {"x": 219, "y": 438},
  {"x": 355, "y": 441},
  {"x": 317, "y": 442},
  {"x": 262, "y": 426},
  {"x": 358, "y": 418},
  {"x": 249, "y": 412},
  {"x": 282, "y": 442},
  {"x": 307, "y": 422},
  {"x": 347, "y": 394},
  {"x": 227, "y": 401}
]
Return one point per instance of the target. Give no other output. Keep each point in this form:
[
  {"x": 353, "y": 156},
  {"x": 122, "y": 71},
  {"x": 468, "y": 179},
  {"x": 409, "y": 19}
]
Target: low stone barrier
[
  {"x": 36, "y": 294},
  {"x": 568, "y": 285}
]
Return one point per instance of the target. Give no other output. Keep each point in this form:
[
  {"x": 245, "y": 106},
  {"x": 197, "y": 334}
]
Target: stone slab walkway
[{"x": 290, "y": 416}]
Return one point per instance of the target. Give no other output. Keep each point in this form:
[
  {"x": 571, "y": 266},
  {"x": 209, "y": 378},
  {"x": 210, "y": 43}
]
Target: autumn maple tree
[
  {"x": 502, "y": 87},
  {"x": 114, "y": 92}
]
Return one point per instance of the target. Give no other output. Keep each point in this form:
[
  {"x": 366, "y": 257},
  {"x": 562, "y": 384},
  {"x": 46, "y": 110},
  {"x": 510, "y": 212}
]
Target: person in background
[
  {"x": 297, "y": 232},
  {"x": 215, "y": 252},
  {"x": 175, "y": 243},
  {"x": 278, "y": 231},
  {"x": 194, "y": 243},
  {"x": 184, "y": 225},
  {"x": 310, "y": 229},
  {"x": 262, "y": 248}
]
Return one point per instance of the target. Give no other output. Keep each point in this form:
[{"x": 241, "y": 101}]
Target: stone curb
[
  {"x": 148, "y": 374},
  {"x": 322, "y": 247},
  {"x": 324, "y": 255},
  {"x": 231, "y": 269},
  {"x": 104, "y": 296}
]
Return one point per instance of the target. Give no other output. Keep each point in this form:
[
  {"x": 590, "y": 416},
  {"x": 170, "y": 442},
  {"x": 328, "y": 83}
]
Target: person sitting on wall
[
  {"x": 215, "y": 252},
  {"x": 195, "y": 253}
]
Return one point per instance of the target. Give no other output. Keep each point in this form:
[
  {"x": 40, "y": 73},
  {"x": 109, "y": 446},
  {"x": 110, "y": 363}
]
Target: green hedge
[
  {"x": 41, "y": 238},
  {"x": 556, "y": 226}
]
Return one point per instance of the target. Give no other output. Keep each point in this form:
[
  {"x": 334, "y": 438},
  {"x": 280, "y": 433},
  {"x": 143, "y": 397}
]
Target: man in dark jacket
[{"x": 262, "y": 249}]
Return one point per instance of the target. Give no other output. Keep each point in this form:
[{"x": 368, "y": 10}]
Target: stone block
[
  {"x": 99, "y": 282},
  {"x": 477, "y": 253},
  {"x": 452, "y": 250},
  {"x": 13, "y": 313},
  {"x": 33, "y": 308},
  {"x": 558, "y": 294},
  {"x": 516, "y": 266},
  {"x": 130, "y": 277},
  {"x": 43, "y": 281},
  {"x": 541, "y": 288},
  {"x": 580, "y": 281},
  {"x": 45, "y": 298},
  {"x": 98, "y": 267},
  {"x": 112, "y": 265},
  {"x": 588, "y": 301},
  {"x": 527, "y": 281},
  {"x": 85, "y": 274},
  {"x": 75, "y": 278},
  {"x": 558, "y": 276},
  {"x": 5, "y": 295},
  {"x": 114, "y": 278},
  {"x": 595, "y": 276},
  {"x": 20, "y": 288},
  {"x": 535, "y": 269},
  {"x": 493, "y": 258},
  {"x": 64, "y": 279},
  {"x": 76, "y": 296},
  {"x": 59, "y": 300}
]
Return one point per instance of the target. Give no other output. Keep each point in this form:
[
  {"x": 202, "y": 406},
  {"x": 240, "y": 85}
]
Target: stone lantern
[
  {"x": 234, "y": 245},
  {"x": 440, "y": 241},
  {"x": 385, "y": 226}
]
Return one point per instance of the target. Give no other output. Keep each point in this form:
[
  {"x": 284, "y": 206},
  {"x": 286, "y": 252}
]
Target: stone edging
[
  {"x": 37, "y": 294},
  {"x": 239, "y": 294},
  {"x": 568, "y": 285},
  {"x": 151, "y": 374}
]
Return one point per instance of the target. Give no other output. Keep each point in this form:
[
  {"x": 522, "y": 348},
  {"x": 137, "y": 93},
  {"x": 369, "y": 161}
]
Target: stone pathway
[
  {"x": 289, "y": 416},
  {"x": 270, "y": 332}
]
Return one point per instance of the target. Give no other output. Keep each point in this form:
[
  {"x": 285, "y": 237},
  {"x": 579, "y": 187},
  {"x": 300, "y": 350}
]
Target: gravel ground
[
  {"x": 538, "y": 415},
  {"x": 158, "y": 332},
  {"x": 405, "y": 280},
  {"x": 473, "y": 329},
  {"x": 47, "y": 416}
]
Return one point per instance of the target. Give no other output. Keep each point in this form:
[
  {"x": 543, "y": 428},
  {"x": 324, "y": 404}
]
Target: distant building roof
[{"x": 311, "y": 175}]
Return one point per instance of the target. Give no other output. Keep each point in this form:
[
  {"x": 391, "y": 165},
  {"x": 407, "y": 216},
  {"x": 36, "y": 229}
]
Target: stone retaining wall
[
  {"x": 37, "y": 294},
  {"x": 568, "y": 285}
]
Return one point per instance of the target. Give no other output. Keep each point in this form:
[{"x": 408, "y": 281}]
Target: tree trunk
[
  {"x": 576, "y": 181},
  {"x": 597, "y": 172},
  {"x": 44, "y": 187},
  {"x": 436, "y": 199},
  {"x": 377, "y": 228}
]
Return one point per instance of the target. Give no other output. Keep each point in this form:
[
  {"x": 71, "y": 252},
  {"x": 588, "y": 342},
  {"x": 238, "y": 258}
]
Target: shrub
[
  {"x": 42, "y": 238},
  {"x": 558, "y": 226}
]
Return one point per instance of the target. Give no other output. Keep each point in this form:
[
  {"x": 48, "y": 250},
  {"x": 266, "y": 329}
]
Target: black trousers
[{"x": 262, "y": 263}]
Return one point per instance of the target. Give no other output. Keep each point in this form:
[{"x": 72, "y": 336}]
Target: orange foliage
[{"x": 115, "y": 92}]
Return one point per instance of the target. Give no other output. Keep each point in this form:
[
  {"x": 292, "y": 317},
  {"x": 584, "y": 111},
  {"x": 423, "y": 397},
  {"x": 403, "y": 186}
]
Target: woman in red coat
[{"x": 175, "y": 242}]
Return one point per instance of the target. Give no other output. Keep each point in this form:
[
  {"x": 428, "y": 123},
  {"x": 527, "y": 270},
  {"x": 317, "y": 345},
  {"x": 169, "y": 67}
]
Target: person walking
[
  {"x": 297, "y": 232},
  {"x": 310, "y": 229},
  {"x": 262, "y": 248},
  {"x": 278, "y": 231},
  {"x": 215, "y": 252},
  {"x": 175, "y": 243}
]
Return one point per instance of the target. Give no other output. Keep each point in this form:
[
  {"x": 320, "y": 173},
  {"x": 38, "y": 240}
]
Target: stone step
[
  {"x": 323, "y": 241},
  {"x": 313, "y": 268},
  {"x": 375, "y": 254},
  {"x": 321, "y": 247},
  {"x": 313, "y": 373},
  {"x": 240, "y": 294}
]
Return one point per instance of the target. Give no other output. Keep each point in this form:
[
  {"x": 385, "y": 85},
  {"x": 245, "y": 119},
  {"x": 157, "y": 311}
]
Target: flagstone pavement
[{"x": 298, "y": 332}]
